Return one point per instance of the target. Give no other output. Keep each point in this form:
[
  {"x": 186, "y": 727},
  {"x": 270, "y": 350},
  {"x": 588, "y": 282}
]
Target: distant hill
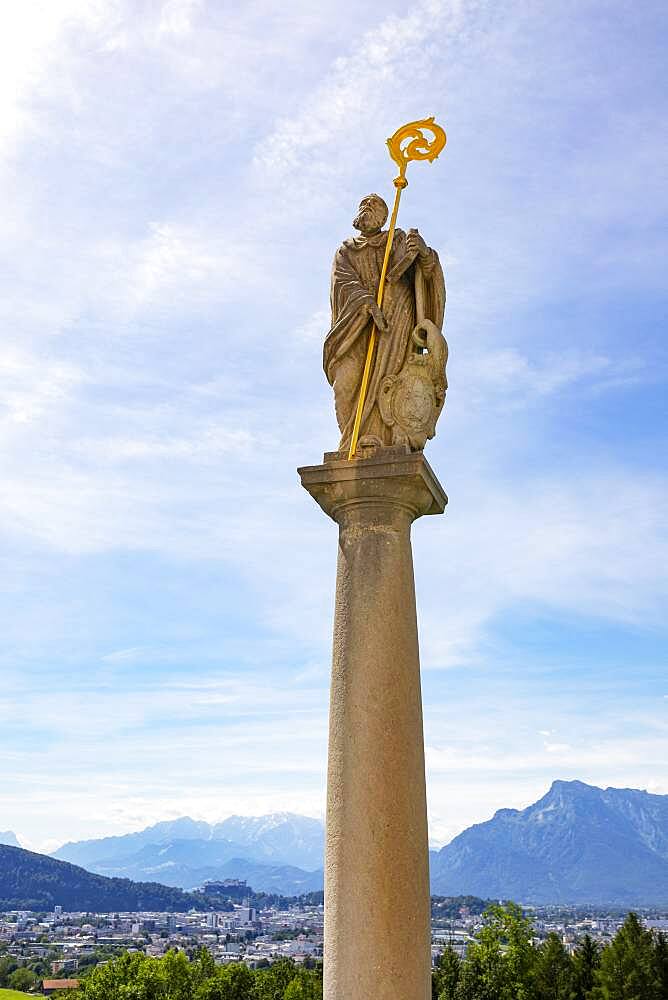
[
  {"x": 284, "y": 880},
  {"x": 36, "y": 882},
  {"x": 190, "y": 863},
  {"x": 578, "y": 844},
  {"x": 283, "y": 851},
  {"x": 87, "y": 852},
  {"x": 280, "y": 838},
  {"x": 283, "y": 838},
  {"x": 8, "y": 837}
]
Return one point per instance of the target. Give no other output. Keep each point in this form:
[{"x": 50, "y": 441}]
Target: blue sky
[{"x": 175, "y": 178}]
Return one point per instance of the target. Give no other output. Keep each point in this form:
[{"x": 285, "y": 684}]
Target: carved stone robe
[{"x": 355, "y": 277}]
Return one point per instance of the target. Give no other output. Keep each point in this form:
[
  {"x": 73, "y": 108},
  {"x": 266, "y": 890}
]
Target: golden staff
[{"x": 408, "y": 143}]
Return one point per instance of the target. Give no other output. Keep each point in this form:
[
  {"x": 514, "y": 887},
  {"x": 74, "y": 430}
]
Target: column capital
[{"x": 392, "y": 478}]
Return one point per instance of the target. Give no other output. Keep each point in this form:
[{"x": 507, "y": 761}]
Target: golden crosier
[
  {"x": 418, "y": 147},
  {"x": 408, "y": 143}
]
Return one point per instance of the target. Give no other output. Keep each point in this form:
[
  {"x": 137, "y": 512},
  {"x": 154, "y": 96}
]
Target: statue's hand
[
  {"x": 377, "y": 316},
  {"x": 415, "y": 244}
]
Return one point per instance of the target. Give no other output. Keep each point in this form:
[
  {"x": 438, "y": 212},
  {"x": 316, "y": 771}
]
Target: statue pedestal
[{"x": 377, "y": 906}]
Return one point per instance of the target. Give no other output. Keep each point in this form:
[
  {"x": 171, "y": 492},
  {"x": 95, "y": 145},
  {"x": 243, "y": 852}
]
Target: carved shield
[{"x": 408, "y": 405}]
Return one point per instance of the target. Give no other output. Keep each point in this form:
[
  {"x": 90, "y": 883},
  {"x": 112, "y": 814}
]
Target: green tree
[
  {"x": 500, "y": 961},
  {"x": 304, "y": 986},
  {"x": 553, "y": 971},
  {"x": 150, "y": 981},
  {"x": 446, "y": 975},
  {"x": 133, "y": 977},
  {"x": 22, "y": 979},
  {"x": 7, "y": 966},
  {"x": 178, "y": 974},
  {"x": 472, "y": 983},
  {"x": 203, "y": 967},
  {"x": 586, "y": 960},
  {"x": 661, "y": 963},
  {"x": 271, "y": 983},
  {"x": 229, "y": 982},
  {"x": 628, "y": 966}
]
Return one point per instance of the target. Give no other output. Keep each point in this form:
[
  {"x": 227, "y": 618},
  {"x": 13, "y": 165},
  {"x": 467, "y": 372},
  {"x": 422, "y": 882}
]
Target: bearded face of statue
[{"x": 371, "y": 216}]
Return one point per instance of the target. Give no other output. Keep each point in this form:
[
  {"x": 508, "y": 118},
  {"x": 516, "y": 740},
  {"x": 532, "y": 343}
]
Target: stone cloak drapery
[{"x": 355, "y": 277}]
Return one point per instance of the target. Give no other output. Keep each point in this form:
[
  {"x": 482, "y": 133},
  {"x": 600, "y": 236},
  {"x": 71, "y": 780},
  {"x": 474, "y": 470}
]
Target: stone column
[{"x": 377, "y": 907}]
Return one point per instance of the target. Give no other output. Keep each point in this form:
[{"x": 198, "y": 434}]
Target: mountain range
[
  {"x": 280, "y": 853},
  {"x": 577, "y": 844}
]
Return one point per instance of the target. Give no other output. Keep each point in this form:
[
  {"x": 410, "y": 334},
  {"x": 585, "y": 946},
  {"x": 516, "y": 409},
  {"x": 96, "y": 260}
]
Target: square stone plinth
[{"x": 396, "y": 476}]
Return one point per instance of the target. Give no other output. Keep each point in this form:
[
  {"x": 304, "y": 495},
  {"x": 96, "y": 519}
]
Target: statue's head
[{"x": 371, "y": 216}]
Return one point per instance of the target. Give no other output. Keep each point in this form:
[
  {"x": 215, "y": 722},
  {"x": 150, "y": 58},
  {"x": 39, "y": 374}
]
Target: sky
[{"x": 176, "y": 176}]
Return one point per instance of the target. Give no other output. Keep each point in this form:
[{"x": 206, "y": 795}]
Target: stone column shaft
[{"x": 377, "y": 906}]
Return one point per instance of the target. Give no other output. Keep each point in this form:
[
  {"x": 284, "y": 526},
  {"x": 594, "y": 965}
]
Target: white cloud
[
  {"x": 176, "y": 16},
  {"x": 33, "y": 388},
  {"x": 592, "y": 542},
  {"x": 338, "y": 128},
  {"x": 507, "y": 370},
  {"x": 30, "y": 33}
]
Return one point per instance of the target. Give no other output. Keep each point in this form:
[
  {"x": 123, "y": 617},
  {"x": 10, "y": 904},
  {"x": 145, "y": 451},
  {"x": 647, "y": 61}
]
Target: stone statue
[{"x": 407, "y": 385}]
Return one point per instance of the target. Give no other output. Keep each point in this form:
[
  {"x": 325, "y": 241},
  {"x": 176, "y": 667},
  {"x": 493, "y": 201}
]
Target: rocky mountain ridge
[
  {"x": 577, "y": 844},
  {"x": 280, "y": 852}
]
